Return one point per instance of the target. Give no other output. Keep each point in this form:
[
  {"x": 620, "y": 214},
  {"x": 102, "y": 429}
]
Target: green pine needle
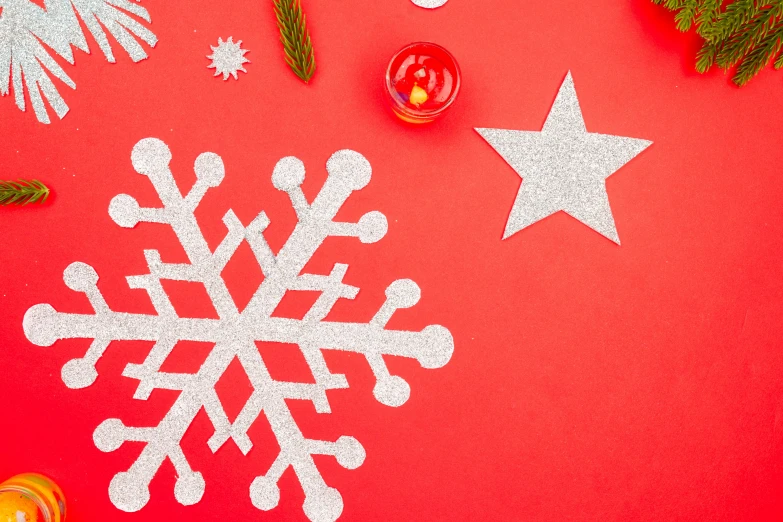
[
  {"x": 295, "y": 38},
  {"x": 23, "y": 192},
  {"x": 745, "y": 35}
]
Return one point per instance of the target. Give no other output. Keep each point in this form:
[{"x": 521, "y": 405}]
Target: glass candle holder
[
  {"x": 31, "y": 497},
  {"x": 422, "y": 82}
]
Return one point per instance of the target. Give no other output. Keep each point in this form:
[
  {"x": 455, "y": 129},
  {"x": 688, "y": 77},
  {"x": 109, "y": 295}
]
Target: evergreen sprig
[
  {"x": 295, "y": 38},
  {"x": 746, "y": 34},
  {"x": 23, "y": 192}
]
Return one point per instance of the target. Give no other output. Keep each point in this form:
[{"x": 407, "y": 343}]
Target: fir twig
[
  {"x": 295, "y": 38},
  {"x": 742, "y": 34},
  {"x": 23, "y": 192}
]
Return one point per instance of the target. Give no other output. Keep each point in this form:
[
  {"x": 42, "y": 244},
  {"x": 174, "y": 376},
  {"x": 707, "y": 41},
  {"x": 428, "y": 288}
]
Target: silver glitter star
[{"x": 563, "y": 167}]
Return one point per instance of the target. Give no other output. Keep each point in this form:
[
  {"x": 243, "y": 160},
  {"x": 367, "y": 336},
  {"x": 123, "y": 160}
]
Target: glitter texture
[
  {"x": 429, "y": 4},
  {"x": 563, "y": 167},
  {"x": 227, "y": 58},
  {"x": 27, "y": 64},
  {"x": 234, "y": 334}
]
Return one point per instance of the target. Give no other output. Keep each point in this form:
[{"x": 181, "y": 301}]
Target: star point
[{"x": 563, "y": 167}]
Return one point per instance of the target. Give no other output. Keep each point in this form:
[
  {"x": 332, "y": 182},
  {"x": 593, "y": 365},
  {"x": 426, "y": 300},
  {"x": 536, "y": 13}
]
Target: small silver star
[
  {"x": 563, "y": 167},
  {"x": 228, "y": 58}
]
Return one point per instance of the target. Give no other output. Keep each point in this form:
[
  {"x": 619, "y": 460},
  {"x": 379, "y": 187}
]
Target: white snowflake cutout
[{"x": 234, "y": 334}]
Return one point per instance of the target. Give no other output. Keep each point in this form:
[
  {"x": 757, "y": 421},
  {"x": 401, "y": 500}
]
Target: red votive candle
[{"x": 422, "y": 82}]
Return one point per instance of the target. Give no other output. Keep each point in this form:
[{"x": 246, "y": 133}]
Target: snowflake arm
[
  {"x": 26, "y": 64},
  {"x": 429, "y": 4},
  {"x": 109, "y": 14},
  {"x": 235, "y": 333}
]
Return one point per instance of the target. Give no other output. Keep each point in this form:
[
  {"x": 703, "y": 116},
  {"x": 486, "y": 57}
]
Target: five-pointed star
[{"x": 563, "y": 167}]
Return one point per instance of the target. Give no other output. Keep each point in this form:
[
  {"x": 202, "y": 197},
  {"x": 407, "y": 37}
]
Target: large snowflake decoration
[
  {"x": 235, "y": 332},
  {"x": 228, "y": 58},
  {"x": 26, "y": 63}
]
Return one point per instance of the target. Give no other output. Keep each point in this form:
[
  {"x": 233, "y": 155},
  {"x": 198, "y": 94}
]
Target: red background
[{"x": 589, "y": 381}]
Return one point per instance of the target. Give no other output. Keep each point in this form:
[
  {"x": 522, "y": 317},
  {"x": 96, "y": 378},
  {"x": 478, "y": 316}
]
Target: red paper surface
[{"x": 589, "y": 381}]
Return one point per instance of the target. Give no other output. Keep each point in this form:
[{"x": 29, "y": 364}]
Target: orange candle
[{"x": 31, "y": 497}]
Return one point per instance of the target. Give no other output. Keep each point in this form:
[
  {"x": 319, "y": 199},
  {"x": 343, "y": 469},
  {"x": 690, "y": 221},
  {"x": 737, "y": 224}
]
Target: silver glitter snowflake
[
  {"x": 235, "y": 332},
  {"x": 28, "y": 32},
  {"x": 228, "y": 58}
]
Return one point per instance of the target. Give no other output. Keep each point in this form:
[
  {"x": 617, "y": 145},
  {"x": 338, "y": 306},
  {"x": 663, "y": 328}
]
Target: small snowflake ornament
[
  {"x": 227, "y": 58},
  {"x": 234, "y": 333}
]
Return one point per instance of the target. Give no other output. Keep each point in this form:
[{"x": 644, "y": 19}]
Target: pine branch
[
  {"x": 729, "y": 21},
  {"x": 744, "y": 40},
  {"x": 295, "y": 38},
  {"x": 22, "y": 192},
  {"x": 705, "y": 58},
  {"x": 759, "y": 57},
  {"x": 746, "y": 34},
  {"x": 710, "y": 9},
  {"x": 687, "y": 16}
]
